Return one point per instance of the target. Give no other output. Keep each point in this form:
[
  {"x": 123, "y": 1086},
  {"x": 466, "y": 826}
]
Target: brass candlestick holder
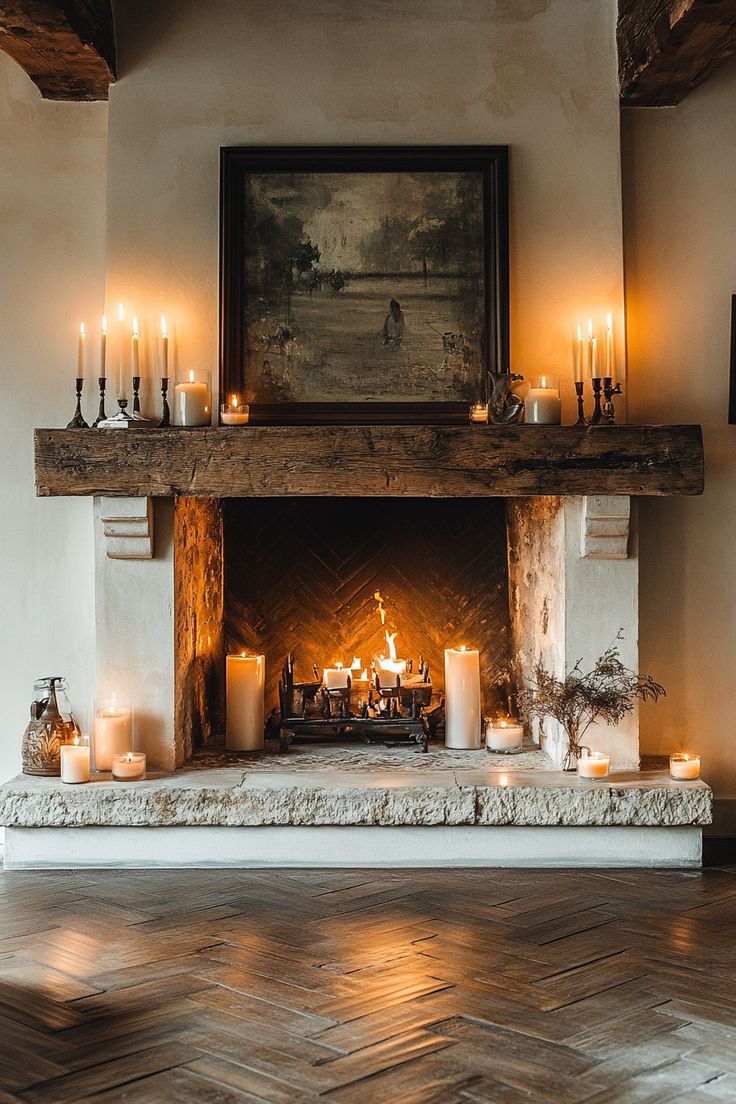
[
  {"x": 137, "y": 416},
  {"x": 101, "y": 415},
  {"x": 597, "y": 412},
  {"x": 609, "y": 414},
  {"x": 582, "y": 420},
  {"x": 165, "y": 412},
  {"x": 78, "y": 421}
]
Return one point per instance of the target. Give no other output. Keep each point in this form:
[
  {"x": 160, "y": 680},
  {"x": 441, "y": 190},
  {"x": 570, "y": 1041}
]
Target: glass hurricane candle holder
[
  {"x": 542, "y": 404},
  {"x": 234, "y": 412},
  {"x": 113, "y": 730},
  {"x": 130, "y": 767},
  {"x": 479, "y": 414},
  {"x": 193, "y": 398},
  {"x": 593, "y": 766},
  {"x": 75, "y": 759},
  {"x": 504, "y": 735},
  {"x": 684, "y": 768}
]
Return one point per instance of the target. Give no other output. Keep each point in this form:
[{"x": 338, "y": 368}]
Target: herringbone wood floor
[{"x": 224, "y": 986}]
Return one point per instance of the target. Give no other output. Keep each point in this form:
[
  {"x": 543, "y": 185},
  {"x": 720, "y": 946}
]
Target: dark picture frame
[
  {"x": 732, "y": 379},
  {"x": 243, "y": 170}
]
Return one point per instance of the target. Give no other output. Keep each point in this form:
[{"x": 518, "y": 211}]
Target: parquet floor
[{"x": 354, "y": 987}]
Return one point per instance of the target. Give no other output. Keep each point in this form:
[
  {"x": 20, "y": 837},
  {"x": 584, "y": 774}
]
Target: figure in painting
[{"x": 394, "y": 326}]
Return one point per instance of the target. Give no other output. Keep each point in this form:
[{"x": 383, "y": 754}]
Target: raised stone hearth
[{"x": 471, "y": 798}]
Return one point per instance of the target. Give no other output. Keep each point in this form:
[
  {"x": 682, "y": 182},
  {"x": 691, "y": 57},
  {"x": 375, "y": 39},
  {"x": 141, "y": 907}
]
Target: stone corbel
[
  {"x": 605, "y": 528},
  {"x": 127, "y": 524}
]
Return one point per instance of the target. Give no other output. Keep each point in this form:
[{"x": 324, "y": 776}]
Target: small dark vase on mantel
[{"x": 47, "y": 729}]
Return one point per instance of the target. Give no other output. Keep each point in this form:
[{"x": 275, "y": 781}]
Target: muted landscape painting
[{"x": 363, "y": 287}]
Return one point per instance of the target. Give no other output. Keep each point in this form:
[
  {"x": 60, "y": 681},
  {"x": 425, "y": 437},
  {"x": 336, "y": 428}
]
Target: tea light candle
[
  {"x": 336, "y": 678},
  {"x": 594, "y": 766},
  {"x": 505, "y": 736},
  {"x": 113, "y": 733},
  {"x": 75, "y": 761},
  {"x": 685, "y": 768},
  {"x": 130, "y": 767},
  {"x": 479, "y": 414},
  {"x": 193, "y": 402},
  {"x": 462, "y": 693},
  {"x": 235, "y": 412},
  {"x": 245, "y": 678},
  {"x": 543, "y": 404}
]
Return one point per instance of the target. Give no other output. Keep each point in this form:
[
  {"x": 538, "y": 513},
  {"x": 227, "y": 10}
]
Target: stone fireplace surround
[{"x": 572, "y": 573}]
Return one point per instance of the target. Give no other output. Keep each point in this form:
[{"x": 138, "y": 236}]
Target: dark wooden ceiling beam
[
  {"x": 668, "y": 47},
  {"x": 67, "y": 48}
]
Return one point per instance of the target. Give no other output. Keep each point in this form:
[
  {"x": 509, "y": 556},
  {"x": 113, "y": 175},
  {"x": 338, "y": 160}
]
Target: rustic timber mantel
[{"x": 362, "y": 461}]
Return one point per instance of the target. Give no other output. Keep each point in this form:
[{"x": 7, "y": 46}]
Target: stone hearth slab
[{"x": 321, "y": 787}]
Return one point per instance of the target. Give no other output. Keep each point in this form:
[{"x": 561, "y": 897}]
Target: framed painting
[{"x": 363, "y": 284}]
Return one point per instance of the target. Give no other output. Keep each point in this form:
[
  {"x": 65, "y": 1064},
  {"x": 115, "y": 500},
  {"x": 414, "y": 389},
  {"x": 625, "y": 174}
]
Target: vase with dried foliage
[{"x": 606, "y": 693}]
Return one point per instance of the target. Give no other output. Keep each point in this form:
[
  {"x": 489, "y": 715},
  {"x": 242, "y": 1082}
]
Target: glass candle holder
[
  {"x": 684, "y": 768},
  {"x": 193, "y": 398},
  {"x": 479, "y": 414},
  {"x": 592, "y": 766},
  {"x": 234, "y": 412},
  {"x": 113, "y": 730},
  {"x": 504, "y": 735},
  {"x": 542, "y": 403},
  {"x": 130, "y": 767},
  {"x": 75, "y": 759}
]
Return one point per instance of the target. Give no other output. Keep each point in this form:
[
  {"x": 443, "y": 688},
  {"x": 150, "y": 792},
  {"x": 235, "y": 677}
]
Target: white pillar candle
[
  {"x": 684, "y": 768},
  {"x": 504, "y": 736},
  {"x": 245, "y": 678},
  {"x": 594, "y": 766},
  {"x": 193, "y": 402},
  {"x": 336, "y": 678},
  {"x": 80, "y": 351},
  {"x": 74, "y": 762},
  {"x": 543, "y": 404},
  {"x": 113, "y": 733},
  {"x": 462, "y": 698},
  {"x": 130, "y": 767}
]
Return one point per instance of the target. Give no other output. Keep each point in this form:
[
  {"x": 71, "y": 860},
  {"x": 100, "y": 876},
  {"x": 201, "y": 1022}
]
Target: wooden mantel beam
[
  {"x": 668, "y": 47},
  {"x": 67, "y": 48}
]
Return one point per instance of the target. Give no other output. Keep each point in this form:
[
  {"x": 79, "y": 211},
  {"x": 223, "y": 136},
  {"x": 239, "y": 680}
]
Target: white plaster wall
[
  {"x": 680, "y": 221},
  {"x": 539, "y": 75},
  {"x": 52, "y": 216}
]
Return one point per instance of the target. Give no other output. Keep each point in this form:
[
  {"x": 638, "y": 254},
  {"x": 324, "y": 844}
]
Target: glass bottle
[{"x": 51, "y": 725}]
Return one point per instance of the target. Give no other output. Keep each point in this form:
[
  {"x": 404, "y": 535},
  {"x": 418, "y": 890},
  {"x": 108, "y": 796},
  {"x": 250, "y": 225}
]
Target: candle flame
[
  {"x": 76, "y": 738},
  {"x": 81, "y": 329},
  {"x": 234, "y": 401},
  {"x": 391, "y": 641},
  {"x": 338, "y": 666},
  {"x": 104, "y": 324},
  {"x": 356, "y": 664},
  {"x": 164, "y": 331},
  {"x": 129, "y": 757},
  {"x": 609, "y": 321},
  {"x": 380, "y": 611},
  {"x": 121, "y": 312},
  {"x": 543, "y": 382},
  {"x": 191, "y": 375},
  {"x": 135, "y": 327},
  {"x": 503, "y": 780}
]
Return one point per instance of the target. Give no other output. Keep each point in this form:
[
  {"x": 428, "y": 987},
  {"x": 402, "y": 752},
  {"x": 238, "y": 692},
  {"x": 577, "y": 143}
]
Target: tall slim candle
[
  {"x": 164, "y": 349},
  {"x": 594, "y": 357},
  {"x": 579, "y": 356},
  {"x": 103, "y": 346},
  {"x": 590, "y": 347},
  {"x": 80, "y": 352},
  {"x": 134, "y": 341},
  {"x": 121, "y": 352},
  {"x": 462, "y": 694},
  {"x": 609, "y": 345},
  {"x": 245, "y": 680}
]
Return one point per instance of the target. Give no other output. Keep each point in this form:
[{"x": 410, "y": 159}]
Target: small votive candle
[
  {"x": 75, "y": 760},
  {"x": 542, "y": 403},
  {"x": 504, "y": 735},
  {"x": 336, "y": 678},
  {"x": 234, "y": 412},
  {"x": 130, "y": 767},
  {"x": 594, "y": 767},
  {"x": 479, "y": 414},
  {"x": 684, "y": 768}
]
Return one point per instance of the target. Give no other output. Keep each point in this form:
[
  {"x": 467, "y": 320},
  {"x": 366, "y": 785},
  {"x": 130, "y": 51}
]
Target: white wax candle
[
  {"x": 594, "y": 358},
  {"x": 594, "y": 766},
  {"x": 134, "y": 340},
  {"x": 103, "y": 346},
  {"x": 609, "y": 344},
  {"x": 578, "y": 357},
  {"x": 121, "y": 352},
  {"x": 235, "y": 414},
  {"x": 685, "y": 768},
  {"x": 504, "y": 735},
  {"x": 80, "y": 351},
  {"x": 164, "y": 348},
  {"x": 479, "y": 413},
  {"x": 130, "y": 767},
  {"x": 74, "y": 762},
  {"x": 542, "y": 405},
  {"x": 193, "y": 403},
  {"x": 590, "y": 347},
  {"x": 336, "y": 678},
  {"x": 462, "y": 698},
  {"x": 113, "y": 734},
  {"x": 245, "y": 677}
]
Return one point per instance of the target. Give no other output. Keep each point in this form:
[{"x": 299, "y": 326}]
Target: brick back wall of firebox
[{"x": 300, "y": 574}]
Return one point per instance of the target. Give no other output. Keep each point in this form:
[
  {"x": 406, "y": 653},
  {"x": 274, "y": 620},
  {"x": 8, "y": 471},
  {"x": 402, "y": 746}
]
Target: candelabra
[
  {"x": 608, "y": 417},
  {"x": 597, "y": 412}
]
